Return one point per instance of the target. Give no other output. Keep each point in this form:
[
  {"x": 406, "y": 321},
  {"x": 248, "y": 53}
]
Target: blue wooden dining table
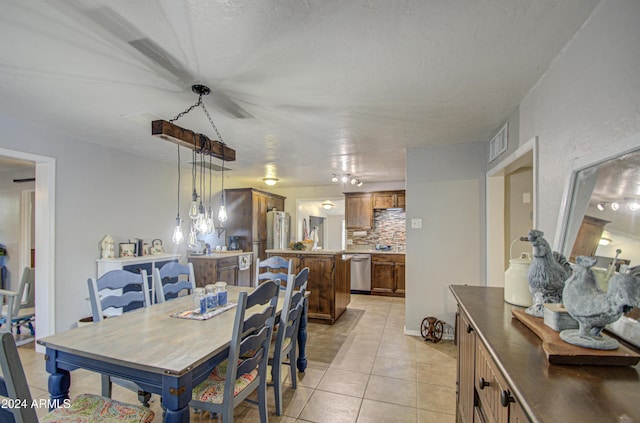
[{"x": 164, "y": 355}]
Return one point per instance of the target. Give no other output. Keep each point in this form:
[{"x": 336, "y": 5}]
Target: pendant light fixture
[
  {"x": 222, "y": 210},
  {"x": 178, "y": 236},
  {"x": 193, "y": 210},
  {"x": 201, "y": 220},
  {"x": 210, "y": 225}
]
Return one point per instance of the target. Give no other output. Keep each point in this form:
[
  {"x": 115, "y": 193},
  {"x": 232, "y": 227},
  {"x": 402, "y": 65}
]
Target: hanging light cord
[{"x": 178, "y": 180}]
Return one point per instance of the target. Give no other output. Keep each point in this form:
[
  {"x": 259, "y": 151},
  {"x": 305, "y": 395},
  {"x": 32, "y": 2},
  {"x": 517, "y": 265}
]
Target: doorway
[
  {"x": 317, "y": 222},
  {"x": 511, "y": 209},
  {"x": 44, "y": 239}
]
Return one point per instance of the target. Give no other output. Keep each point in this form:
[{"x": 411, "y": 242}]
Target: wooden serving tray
[{"x": 560, "y": 352}]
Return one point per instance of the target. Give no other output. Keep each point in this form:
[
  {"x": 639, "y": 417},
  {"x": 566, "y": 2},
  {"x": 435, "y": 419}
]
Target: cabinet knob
[
  {"x": 506, "y": 398},
  {"x": 483, "y": 383},
  {"x": 469, "y": 329}
]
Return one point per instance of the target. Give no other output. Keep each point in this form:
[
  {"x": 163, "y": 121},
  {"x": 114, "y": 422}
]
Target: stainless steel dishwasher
[{"x": 360, "y": 273}]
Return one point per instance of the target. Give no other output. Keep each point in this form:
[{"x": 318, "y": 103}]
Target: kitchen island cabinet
[
  {"x": 504, "y": 375},
  {"x": 329, "y": 281}
]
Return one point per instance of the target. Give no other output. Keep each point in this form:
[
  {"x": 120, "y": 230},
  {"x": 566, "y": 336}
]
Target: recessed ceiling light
[
  {"x": 615, "y": 206},
  {"x": 270, "y": 181}
]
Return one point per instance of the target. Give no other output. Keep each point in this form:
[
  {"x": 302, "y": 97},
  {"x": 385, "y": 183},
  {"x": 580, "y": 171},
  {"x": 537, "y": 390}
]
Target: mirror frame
[{"x": 599, "y": 156}]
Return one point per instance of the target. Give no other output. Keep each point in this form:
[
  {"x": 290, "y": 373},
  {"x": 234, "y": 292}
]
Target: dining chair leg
[
  {"x": 277, "y": 388},
  {"x": 293, "y": 372},
  {"x": 262, "y": 400}
]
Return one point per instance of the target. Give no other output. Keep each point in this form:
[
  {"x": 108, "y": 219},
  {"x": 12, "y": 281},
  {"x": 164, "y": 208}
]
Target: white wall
[
  {"x": 446, "y": 189},
  {"x": 98, "y": 191},
  {"x": 10, "y": 194},
  {"x": 589, "y": 98}
]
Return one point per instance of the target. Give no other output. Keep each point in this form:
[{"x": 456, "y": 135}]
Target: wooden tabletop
[
  {"x": 149, "y": 339},
  {"x": 548, "y": 392}
]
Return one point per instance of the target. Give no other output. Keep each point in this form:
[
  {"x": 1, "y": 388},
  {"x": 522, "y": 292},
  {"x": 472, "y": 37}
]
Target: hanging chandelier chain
[
  {"x": 215, "y": 128},
  {"x": 179, "y": 115}
]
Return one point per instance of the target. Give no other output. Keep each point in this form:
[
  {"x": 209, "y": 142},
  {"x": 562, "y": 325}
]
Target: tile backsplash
[{"x": 385, "y": 224}]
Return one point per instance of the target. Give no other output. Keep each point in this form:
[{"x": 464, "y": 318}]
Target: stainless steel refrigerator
[{"x": 278, "y": 224}]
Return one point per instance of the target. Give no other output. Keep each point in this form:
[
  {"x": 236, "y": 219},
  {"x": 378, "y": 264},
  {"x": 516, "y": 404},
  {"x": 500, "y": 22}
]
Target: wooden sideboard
[{"x": 504, "y": 376}]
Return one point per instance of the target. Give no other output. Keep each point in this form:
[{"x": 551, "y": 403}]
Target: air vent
[{"x": 498, "y": 144}]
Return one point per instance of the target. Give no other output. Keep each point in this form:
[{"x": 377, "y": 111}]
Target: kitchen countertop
[
  {"x": 287, "y": 251},
  {"x": 374, "y": 252},
  {"x": 219, "y": 255}
]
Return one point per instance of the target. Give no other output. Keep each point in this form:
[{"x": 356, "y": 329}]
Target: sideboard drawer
[{"x": 490, "y": 386}]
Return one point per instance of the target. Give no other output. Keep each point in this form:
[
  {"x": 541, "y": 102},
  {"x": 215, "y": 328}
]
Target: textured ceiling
[{"x": 301, "y": 88}]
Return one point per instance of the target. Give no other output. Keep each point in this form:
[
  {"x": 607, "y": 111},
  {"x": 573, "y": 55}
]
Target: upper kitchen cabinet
[
  {"x": 247, "y": 209},
  {"x": 389, "y": 200},
  {"x": 358, "y": 210}
]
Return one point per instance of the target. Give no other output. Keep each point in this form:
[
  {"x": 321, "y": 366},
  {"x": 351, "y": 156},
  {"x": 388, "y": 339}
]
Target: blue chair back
[
  {"x": 171, "y": 279},
  {"x": 128, "y": 292}
]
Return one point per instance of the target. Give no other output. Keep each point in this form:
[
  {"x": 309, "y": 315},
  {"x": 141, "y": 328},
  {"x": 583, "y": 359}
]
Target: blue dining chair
[
  {"x": 285, "y": 343},
  {"x": 86, "y": 408},
  {"x": 274, "y": 268},
  {"x": 171, "y": 279},
  {"x": 114, "y": 292},
  {"x": 23, "y": 312},
  {"x": 245, "y": 369}
]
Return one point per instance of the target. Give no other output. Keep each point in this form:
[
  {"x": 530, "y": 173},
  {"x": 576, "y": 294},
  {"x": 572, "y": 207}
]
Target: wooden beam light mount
[{"x": 169, "y": 131}]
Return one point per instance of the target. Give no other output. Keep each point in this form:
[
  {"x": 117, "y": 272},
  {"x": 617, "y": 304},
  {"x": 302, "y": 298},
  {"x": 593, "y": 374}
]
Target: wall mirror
[{"x": 601, "y": 217}]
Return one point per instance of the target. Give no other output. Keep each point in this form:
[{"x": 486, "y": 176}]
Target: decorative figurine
[
  {"x": 108, "y": 250},
  {"x": 594, "y": 308},
  {"x": 547, "y": 273},
  {"x": 156, "y": 247}
]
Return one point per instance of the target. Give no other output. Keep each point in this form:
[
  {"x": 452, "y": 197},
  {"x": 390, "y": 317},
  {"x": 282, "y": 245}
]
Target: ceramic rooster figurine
[
  {"x": 594, "y": 308},
  {"x": 547, "y": 273}
]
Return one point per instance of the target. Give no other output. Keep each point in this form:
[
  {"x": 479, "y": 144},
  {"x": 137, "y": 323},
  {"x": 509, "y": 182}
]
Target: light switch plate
[{"x": 416, "y": 223}]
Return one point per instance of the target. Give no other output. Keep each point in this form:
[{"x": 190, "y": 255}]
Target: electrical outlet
[
  {"x": 526, "y": 197},
  {"x": 416, "y": 223},
  {"x": 349, "y": 241}
]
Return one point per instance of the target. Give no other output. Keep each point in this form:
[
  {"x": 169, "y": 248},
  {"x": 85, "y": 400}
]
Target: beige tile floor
[{"x": 361, "y": 369}]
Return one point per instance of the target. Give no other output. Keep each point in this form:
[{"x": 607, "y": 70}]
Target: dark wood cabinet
[
  {"x": 247, "y": 209},
  {"x": 388, "y": 274},
  {"x": 329, "y": 283},
  {"x": 228, "y": 270},
  {"x": 209, "y": 270},
  {"x": 358, "y": 211},
  {"x": 389, "y": 200}
]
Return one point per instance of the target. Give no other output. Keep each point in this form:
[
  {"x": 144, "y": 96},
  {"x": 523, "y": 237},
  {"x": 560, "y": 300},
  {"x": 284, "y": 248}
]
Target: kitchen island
[{"x": 329, "y": 281}]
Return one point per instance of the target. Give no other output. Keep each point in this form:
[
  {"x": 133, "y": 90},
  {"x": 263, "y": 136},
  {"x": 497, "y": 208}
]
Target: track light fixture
[{"x": 346, "y": 178}]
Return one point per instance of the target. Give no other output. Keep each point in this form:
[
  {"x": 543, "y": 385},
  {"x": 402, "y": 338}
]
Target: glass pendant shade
[
  {"x": 193, "y": 237},
  {"x": 178, "y": 236},
  {"x": 222, "y": 213},
  {"x": 210, "y": 224},
  {"x": 193, "y": 210},
  {"x": 201, "y": 221}
]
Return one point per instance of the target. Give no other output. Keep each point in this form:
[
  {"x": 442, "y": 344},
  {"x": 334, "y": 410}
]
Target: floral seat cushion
[
  {"x": 89, "y": 408},
  {"x": 212, "y": 389}
]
